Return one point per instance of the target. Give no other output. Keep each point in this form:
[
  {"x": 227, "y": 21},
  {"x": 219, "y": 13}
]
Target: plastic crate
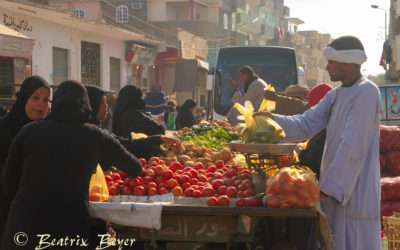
[{"x": 391, "y": 228}]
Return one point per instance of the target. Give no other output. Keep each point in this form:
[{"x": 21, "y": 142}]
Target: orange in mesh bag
[
  {"x": 98, "y": 190},
  {"x": 293, "y": 187}
]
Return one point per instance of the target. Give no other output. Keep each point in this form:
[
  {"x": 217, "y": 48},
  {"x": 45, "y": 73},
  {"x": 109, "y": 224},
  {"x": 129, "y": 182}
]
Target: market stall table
[{"x": 183, "y": 226}]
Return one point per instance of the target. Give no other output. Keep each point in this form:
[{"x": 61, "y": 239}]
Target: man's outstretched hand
[{"x": 264, "y": 113}]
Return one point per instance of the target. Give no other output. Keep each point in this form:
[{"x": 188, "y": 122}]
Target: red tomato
[
  {"x": 245, "y": 172},
  {"x": 167, "y": 174},
  {"x": 171, "y": 183},
  {"x": 231, "y": 192},
  {"x": 152, "y": 177},
  {"x": 236, "y": 178},
  {"x": 237, "y": 183},
  {"x": 113, "y": 190},
  {"x": 127, "y": 191},
  {"x": 177, "y": 191},
  {"x": 115, "y": 176},
  {"x": 140, "y": 190},
  {"x": 201, "y": 184},
  {"x": 161, "y": 162},
  {"x": 221, "y": 190},
  {"x": 147, "y": 179},
  {"x": 212, "y": 201},
  {"x": 174, "y": 166},
  {"x": 199, "y": 166},
  {"x": 242, "y": 188},
  {"x": 159, "y": 180},
  {"x": 224, "y": 200},
  {"x": 217, "y": 183},
  {"x": 247, "y": 183},
  {"x": 184, "y": 178},
  {"x": 240, "y": 194},
  {"x": 194, "y": 181},
  {"x": 158, "y": 170},
  {"x": 234, "y": 167},
  {"x": 211, "y": 169},
  {"x": 248, "y": 193},
  {"x": 143, "y": 161},
  {"x": 245, "y": 176},
  {"x": 151, "y": 191},
  {"x": 240, "y": 202},
  {"x": 162, "y": 191},
  {"x": 179, "y": 171},
  {"x": 162, "y": 185},
  {"x": 188, "y": 192},
  {"x": 186, "y": 185},
  {"x": 177, "y": 177},
  {"x": 217, "y": 175},
  {"x": 153, "y": 159},
  {"x": 126, "y": 181},
  {"x": 202, "y": 178},
  {"x": 197, "y": 194},
  {"x": 219, "y": 164},
  {"x": 224, "y": 169},
  {"x": 152, "y": 185},
  {"x": 187, "y": 169},
  {"x": 229, "y": 182},
  {"x": 208, "y": 191},
  {"x": 253, "y": 201},
  {"x": 108, "y": 178},
  {"x": 119, "y": 182},
  {"x": 194, "y": 173},
  {"x": 123, "y": 175},
  {"x": 208, "y": 174},
  {"x": 232, "y": 172}
]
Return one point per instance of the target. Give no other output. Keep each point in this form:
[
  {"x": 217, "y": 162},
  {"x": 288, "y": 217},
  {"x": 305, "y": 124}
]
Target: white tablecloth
[{"x": 133, "y": 214}]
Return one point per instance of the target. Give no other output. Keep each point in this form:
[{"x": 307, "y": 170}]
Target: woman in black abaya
[
  {"x": 141, "y": 148},
  {"x": 129, "y": 114},
  {"x": 49, "y": 167},
  {"x": 32, "y": 104}
]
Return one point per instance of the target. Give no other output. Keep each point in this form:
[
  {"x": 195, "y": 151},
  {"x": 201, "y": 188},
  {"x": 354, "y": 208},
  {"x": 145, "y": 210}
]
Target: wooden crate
[{"x": 391, "y": 228}]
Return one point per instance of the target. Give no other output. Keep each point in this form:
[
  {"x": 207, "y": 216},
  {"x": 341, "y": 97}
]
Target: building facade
[{"x": 69, "y": 47}]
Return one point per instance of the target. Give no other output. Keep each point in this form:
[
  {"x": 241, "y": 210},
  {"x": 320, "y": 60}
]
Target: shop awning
[
  {"x": 186, "y": 74},
  {"x": 15, "y": 44}
]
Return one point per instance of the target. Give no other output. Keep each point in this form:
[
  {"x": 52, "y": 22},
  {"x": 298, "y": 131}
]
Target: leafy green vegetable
[{"x": 209, "y": 137}]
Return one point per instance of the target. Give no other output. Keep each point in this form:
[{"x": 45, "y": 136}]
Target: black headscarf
[
  {"x": 70, "y": 103},
  {"x": 185, "y": 118},
  {"x": 129, "y": 97},
  {"x": 95, "y": 95},
  {"x": 28, "y": 87}
]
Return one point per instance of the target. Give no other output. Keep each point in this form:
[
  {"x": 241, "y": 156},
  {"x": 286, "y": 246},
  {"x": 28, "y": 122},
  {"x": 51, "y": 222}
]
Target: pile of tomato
[{"x": 220, "y": 182}]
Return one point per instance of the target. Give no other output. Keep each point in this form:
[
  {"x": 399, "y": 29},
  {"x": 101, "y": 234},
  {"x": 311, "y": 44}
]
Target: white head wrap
[{"x": 355, "y": 56}]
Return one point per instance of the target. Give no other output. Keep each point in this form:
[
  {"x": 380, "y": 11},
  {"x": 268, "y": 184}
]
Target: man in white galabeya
[{"x": 350, "y": 172}]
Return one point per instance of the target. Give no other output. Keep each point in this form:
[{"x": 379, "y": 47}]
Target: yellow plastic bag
[
  {"x": 136, "y": 136},
  {"x": 268, "y": 105},
  {"x": 259, "y": 129},
  {"x": 98, "y": 189}
]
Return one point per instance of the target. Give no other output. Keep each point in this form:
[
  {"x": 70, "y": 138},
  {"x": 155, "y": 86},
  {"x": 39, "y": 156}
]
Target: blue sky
[{"x": 346, "y": 17}]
